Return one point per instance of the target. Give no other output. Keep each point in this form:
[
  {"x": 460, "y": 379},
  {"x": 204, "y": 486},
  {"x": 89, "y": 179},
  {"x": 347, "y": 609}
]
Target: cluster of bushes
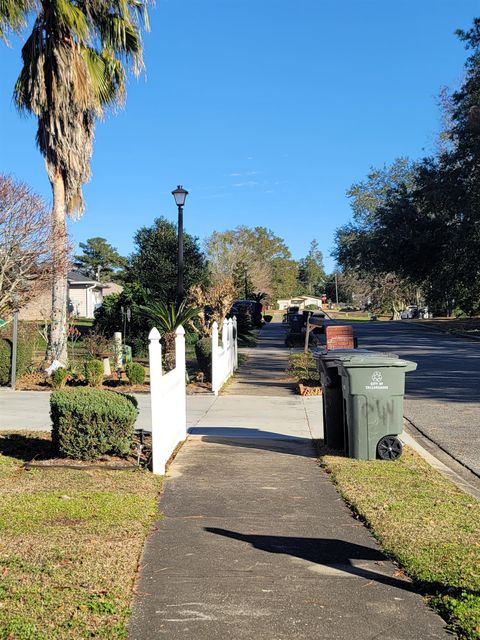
[
  {"x": 89, "y": 423},
  {"x": 93, "y": 374}
]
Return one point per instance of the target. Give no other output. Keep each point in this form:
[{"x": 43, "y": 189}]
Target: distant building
[
  {"x": 301, "y": 302},
  {"x": 84, "y": 296}
]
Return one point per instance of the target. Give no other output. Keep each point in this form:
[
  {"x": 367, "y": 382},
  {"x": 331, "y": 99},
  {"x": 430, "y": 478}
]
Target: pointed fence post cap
[
  {"x": 154, "y": 334},
  {"x": 179, "y": 331},
  {"x": 215, "y": 325}
]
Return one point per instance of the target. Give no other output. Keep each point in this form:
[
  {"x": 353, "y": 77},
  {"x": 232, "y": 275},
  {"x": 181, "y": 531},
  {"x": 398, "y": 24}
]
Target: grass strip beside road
[
  {"x": 426, "y": 523},
  {"x": 70, "y": 542}
]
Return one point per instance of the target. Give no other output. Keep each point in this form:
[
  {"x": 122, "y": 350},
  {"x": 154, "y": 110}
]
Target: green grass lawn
[
  {"x": 70, "y": 542},
  {"x": 426, "y": 523}
]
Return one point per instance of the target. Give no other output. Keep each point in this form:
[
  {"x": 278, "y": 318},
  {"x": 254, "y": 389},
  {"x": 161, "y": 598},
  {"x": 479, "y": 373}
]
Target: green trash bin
[
  {"x": 373, "y": 388},
  {"x": 127, "y": 353},
  {"x": 328, "y": 363}
]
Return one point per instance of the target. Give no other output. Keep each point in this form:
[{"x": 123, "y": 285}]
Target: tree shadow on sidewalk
[
  {"x": 333, "y": 554},
  {"x": 249, "y": 438}
]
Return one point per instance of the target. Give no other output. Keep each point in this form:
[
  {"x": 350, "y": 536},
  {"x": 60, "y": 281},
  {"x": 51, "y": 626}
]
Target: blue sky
[{"x": 265, "y": 110}]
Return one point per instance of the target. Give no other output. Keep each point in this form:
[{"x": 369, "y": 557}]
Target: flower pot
[{"x": 306, "y": 388}]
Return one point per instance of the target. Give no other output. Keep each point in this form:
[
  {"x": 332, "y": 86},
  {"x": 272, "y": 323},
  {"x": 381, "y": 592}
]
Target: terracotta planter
[{"x": 305, "y": 389}]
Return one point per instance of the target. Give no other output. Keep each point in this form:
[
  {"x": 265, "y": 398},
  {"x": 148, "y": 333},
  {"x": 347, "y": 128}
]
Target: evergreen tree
[
  {"x": 100, "y": 260},
  {"x": 154, "y": 262},
  {"x": 312, "y": 272}
]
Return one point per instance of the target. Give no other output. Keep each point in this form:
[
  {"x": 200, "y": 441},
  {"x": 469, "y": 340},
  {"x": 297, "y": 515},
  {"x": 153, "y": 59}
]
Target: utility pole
[{"x": 336, "y": 288}]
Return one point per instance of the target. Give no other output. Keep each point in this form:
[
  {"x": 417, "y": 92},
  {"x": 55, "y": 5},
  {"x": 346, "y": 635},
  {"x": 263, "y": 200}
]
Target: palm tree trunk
[
  {"x": 57, "y": 347},
  {"x": 169, "y": 341}
]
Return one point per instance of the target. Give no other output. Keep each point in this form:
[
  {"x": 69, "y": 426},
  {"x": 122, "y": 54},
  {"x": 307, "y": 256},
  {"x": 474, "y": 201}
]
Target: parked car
[{"x": 410, "y": 312}]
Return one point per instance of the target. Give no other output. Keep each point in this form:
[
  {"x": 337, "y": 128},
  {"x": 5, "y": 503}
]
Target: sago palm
[
  {"x": 74, "y": 67},
  {"x": 166, "y": 318}
]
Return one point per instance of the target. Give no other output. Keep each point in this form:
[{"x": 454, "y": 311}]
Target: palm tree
[
  {"x": 74, "y": 67},
  {"x": 12, "y": 16},
  {"x": 166, "y": 318}
]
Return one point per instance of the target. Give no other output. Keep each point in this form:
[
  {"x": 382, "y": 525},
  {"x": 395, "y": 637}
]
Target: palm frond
[
  {"x": 74, "y": 65},
  {"x": 167, "y": 317},
  {"x": 72, "y": 18},
  {"x": 12, "y": 16}
]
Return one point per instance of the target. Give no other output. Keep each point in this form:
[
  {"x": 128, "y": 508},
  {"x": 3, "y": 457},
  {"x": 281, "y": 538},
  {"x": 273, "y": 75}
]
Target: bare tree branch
[{"x": 25, "y": 245}]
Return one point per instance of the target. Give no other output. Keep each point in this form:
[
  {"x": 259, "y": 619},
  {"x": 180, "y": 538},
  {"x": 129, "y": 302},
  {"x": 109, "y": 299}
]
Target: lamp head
[{"x": 180, "y": 194}]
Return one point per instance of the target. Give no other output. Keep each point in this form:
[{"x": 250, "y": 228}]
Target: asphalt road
[{"x": 443, "y": 394}]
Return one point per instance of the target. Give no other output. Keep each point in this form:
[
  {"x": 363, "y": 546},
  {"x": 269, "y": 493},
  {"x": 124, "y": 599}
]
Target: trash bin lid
[
  {"x": 348, "y": 354},
  {"x": 376, "y": 360}
]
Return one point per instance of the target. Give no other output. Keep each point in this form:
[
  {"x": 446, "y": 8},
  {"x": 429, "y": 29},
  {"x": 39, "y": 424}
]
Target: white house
[
  {"x": 300, "y": 301},
  {"x": 84, "y": 296}
]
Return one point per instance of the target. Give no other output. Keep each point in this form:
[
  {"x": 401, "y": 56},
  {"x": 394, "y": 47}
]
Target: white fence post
[
  {"x": 235, "y": 343},
  {"x": 224, "y": 359},
  {"x": 230, "y": 345},
  {"x": 181, "y": 367},
  {"x": 225, "y": 335},
  {"x": 215, "y": 350},
  {"x": 168, "y": 400},
  {"x": 155, "y": 364}
]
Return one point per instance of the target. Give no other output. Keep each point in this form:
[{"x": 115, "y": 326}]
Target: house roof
[{"x": 76, "y": 277}]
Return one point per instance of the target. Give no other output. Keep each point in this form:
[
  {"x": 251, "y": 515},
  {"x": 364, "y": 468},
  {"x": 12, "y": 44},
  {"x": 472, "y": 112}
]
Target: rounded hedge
[
  {"x": 88, "y": 423},
  {"x": 135, "y": 373},
  {"x": 94, "y": 372}
]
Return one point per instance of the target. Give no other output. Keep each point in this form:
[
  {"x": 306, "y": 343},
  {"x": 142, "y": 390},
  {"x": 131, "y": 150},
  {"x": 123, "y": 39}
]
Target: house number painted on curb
[{"x": 376, "y": 383}]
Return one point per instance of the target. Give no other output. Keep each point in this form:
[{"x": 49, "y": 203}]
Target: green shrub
[
  {"x": 5, "y": 361},
  {"x": 203, "y": 351},
  {"x": 139, "y": 346},
  {"x": 191, "y": 338},
  {"x": 245, "y": 336},
  {"x": 24, "y": 357},
  {"x": 59, "y": 378},
  {"x": 267, "y": 318},
  {"x": 94, "y": 372},
  {"x": 135, "y": 373},
  {"x": 88, "y": 423},
  {"x": 302, "y": 366}
]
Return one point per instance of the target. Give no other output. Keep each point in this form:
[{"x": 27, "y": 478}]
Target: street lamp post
[{"x": 180, "y": 195}]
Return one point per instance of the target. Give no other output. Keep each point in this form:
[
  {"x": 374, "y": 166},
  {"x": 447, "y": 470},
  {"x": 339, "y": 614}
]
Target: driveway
[{"x": 443, "y": 395}]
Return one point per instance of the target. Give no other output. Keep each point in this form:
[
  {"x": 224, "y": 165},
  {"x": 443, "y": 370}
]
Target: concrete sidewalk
[
  {"x": 264, "y": 373},
  {"x": 30, "y": 410},
  {"x": 255, "y": 543}
]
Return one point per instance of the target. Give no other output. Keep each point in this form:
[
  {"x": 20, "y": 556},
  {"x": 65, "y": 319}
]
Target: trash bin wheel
[{"x": 389, "y": 448}]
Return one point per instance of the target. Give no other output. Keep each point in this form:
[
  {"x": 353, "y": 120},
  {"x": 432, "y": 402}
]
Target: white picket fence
[
  {"x": 168, "y": 390},
  {"x": 225, "y": 357},
  {"x": 168, "y": 400}
]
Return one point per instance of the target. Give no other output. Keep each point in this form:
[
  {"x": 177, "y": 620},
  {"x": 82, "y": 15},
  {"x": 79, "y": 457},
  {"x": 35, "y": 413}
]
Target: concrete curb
[{"x": 450, "y": 468}]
